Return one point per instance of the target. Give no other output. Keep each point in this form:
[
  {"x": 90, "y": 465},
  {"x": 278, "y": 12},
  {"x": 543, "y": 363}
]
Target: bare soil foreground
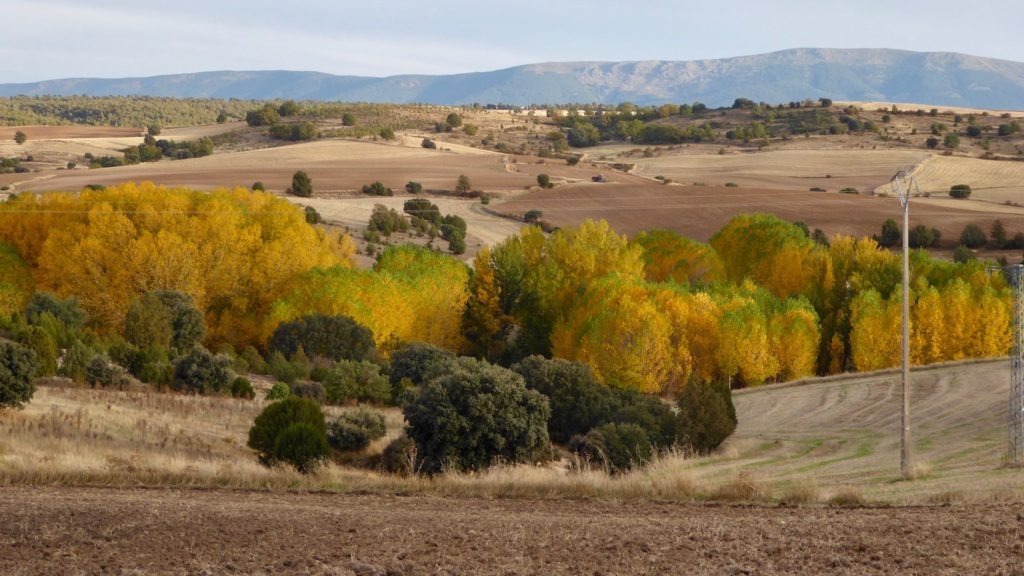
[{"x": 125, "y": 531}]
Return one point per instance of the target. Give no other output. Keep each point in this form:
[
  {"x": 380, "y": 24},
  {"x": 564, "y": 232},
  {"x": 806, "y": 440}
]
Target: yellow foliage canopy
[
  {"x": 413, "y": 295},
  {"x": 233, "y": 251}
]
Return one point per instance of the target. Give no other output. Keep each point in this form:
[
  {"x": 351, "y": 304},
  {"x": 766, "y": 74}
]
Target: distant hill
[{"x": 860, "y": 74}]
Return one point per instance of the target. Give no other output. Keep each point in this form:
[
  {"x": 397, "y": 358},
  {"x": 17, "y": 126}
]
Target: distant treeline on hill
[{"x": 137, "y": 111}]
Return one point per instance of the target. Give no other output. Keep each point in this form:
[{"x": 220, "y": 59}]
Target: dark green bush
[
  {"x": 614, "y": 447},
  {"x": 302, "y": 185},
  {"x": 962, "y": 255},
  {"x": 242, "y": 388},
  {"x": 18, "y": 366},
  {"x": 399, "y": 457},
  {"x": 302, "y": 445},
  {"x": 706, "y": 416},
  {"x": 475, "y": 416},
  {"x": 891, "y": 234},
  {"x": 419, "y": 363},
  {"x": 544, "y": 181},
  {"x": 359, "y": 381},
  {"x": 203, "y": 373},
  {"x": 67, "y": 310},
  {"x": 278, "y": 417},
  {"x": 413, "y": 187},
  {"x": 377, "y": 189},
  {"x": 333, "y": 337},
  {"x": 578, "y": 402},
  {"x": 353, "y": 431},
  {"x": 649, "y": 413},
  {"x": 960, "y": 191}
]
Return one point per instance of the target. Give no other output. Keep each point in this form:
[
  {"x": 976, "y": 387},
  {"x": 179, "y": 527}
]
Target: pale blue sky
[{"x": 45, "y": 39}]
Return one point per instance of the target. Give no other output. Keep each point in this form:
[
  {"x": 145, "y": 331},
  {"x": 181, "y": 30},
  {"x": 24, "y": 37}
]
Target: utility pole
[{"x": 903, "y": 183}]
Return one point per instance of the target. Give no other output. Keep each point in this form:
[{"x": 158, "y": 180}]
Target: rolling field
[
  {"x": 700, "y": 211},
  {"x": 993, "y": 182},
  {"x": 787, "y": 169},
  {"x": 108, "y": 479}
]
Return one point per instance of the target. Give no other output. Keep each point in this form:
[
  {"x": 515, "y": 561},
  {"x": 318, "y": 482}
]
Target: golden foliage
[
  {"x": 412, "y": 295},
  {"x": 233, "y": 251}
]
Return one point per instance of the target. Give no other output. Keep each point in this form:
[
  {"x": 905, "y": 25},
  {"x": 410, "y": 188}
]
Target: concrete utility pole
[{"x": 903, "y": 183}]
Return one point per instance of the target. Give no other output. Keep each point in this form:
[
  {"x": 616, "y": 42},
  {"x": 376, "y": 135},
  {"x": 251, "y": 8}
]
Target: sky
[{"x": 48, "y": 39}]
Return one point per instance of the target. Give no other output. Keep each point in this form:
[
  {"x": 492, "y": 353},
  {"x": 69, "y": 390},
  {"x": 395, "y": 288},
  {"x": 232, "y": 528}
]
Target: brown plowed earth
[
  {"x": 700, "y": 211},
  {"x": 126, "y": 531}
]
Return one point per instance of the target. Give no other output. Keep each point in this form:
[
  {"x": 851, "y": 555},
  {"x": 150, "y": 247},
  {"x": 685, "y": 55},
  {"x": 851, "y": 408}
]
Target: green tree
[
  {"x": 706, "y": 416},
  {"x": 302, "y": 186},
  {"x": 475, "y": 416},
  {"x": 961, "y": 191},
  {"x": 463, "y": 186},
  {"x": 932, "y": 142},
  {"x": 973, "y": 236},
  {"x": 154, "y": 129},
  {"x": 353, "y": 431},
  {"x": 578, "y": 402},
  {"x": 359, "y": 381},
  {"x": 999, "y": 237},
  {"x": 18, "y": 366},
  {"x": 332, "y": 337},
  {"x": 348, "y": 119},
  {"x": 43, "y": 345},
  {"x": 271, "y": 439},
  {"x": 454, "y": 120},
  {"x": 583, "y": 134},
  {"x": 891, "y": 233},
  {"x": 413, "y": 187},
  {"x": 963, "y": 255},
  {"x": 544, "y": 181},
  {"x": 20, "y": 137},
  {"x": 201, "y": 372},
  {"x": 289, "y": 108},
  {"x": 951, "y": 141}
]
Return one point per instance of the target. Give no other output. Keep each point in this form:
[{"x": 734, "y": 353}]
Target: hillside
[{"x": 858, "y": 74}]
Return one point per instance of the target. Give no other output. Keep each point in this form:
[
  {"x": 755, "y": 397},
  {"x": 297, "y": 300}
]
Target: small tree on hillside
[
  {"x": 463, "y": 186},
  {"x": 544, "y": 181},
  {"x": 891, "y": 234},
  {"x": 454, "y": 120},
  {"x": 20, "y": 137},
  {"x": 18, "y": 366},
  {"x": 951, "y": 141},
  {"x": 291, "y": 430},
  {"x": 961, "y": 191},
  {"x": 302, "y": 186}
]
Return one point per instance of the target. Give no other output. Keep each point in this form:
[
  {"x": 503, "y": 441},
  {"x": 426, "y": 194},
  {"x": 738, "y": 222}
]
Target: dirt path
[{"x": 125, "y": 531}]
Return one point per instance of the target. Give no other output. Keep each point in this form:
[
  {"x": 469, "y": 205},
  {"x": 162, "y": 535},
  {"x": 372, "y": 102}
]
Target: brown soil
[
  {"x": 700, "y": 211},
  {"x": 126, "y": 531}
]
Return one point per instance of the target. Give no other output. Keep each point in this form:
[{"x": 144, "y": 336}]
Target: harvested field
[
  {"x": 789, "y": 169},
  {"x": 130, "y": 531},
  {"x": 700, "y": 211},
  {"x": 482, "y": 228},
  {"x": 68, "y": 132},
  {"x": 990, "y": 180},
  {"x": 334, "y": 166}
]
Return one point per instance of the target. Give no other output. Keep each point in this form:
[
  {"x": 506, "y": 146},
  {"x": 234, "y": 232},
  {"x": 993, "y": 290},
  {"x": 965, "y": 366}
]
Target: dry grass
[
  {"x": 829, "y": 441},
  {"x": 848, "y": 496}
]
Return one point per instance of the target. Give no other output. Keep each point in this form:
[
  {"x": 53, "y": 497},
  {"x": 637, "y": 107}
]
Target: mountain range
[{"x": 939, "y": 78}]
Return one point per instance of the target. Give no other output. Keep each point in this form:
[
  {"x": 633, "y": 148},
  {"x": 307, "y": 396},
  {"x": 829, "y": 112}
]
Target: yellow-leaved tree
[{"x": 232, "y": 251}]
